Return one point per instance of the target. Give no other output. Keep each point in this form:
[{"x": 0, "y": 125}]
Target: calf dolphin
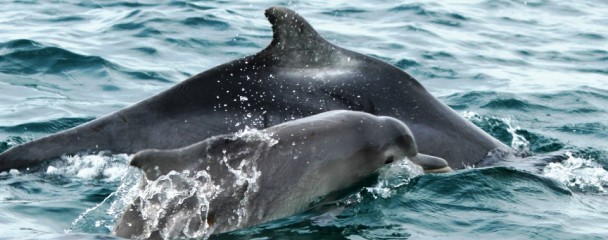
[
  {"x": 251, "y": 179},
  {"x": 299, "y": 74}
]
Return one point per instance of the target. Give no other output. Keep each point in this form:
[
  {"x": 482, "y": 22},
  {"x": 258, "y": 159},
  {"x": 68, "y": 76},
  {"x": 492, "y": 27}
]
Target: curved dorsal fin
[
  {"x": 155, "y": 163},
  {"x": 290, "y": 29},
  {"x": 294, "y": 42}
]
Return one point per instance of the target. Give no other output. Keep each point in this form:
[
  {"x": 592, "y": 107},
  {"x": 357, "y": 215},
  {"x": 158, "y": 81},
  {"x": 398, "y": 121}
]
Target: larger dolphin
[{"x": 299, "y": 74}]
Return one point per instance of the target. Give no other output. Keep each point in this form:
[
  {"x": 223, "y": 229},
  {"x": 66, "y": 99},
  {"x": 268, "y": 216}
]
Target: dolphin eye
[
  {"x": 389, "y": 159},
  {"x": 403, "y": 141}
]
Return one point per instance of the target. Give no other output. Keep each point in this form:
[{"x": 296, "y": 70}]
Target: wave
[
  {"x": 513, "y": 104},
  {"x": 24, "y": 56},
  {"x": 593, "y": 128},
  {"x": 206, "y": 21},
  {"x": 51, "y": 126},
  {"x": 582, "y": 100},
  {"x": 494, "y": 101},
  {"x": 498, "y": 183},
  {"x": 16, "y": 133}
]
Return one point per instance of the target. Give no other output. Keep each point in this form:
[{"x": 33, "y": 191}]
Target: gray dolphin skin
[
  {"x": 305, "y": 160},
  {"x": 299, "y": 74}
]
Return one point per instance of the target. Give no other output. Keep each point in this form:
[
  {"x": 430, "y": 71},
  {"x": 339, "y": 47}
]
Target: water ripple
[
  {"x": 530, "y": 73},
  {"x": 52, "y": 126}
]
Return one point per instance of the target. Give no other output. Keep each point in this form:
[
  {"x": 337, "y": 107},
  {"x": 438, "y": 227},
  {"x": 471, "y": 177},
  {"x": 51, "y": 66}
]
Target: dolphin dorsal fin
[
  {"x": 294, "y": 42},
  {"x": 155, "y": 163},
  {"x": 290, "y": 29}
]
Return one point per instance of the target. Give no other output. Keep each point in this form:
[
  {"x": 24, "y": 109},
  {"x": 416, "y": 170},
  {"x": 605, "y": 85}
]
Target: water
[{"x": 531, "y": 73}]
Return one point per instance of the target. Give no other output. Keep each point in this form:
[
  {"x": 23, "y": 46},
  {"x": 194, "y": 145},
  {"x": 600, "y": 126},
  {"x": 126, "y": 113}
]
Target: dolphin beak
[{"x": 431, "y": 164}]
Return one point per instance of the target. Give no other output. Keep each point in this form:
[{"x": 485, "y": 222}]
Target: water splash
[
  {"x": 393, "y": 176},
  {"x": 177, "y": 204},
  {"x": 501, "y": 128},
  {"x": 579, "y": 173},
  {"x": 247, "y": 176},
  {"x": 185, "y": 204},
  {"x": 101, "y": 217},
  {"x": 518, "y": 142}
]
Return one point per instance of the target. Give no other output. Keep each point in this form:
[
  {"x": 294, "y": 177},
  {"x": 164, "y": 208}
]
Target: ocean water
[{"x": 533, "y": 74}]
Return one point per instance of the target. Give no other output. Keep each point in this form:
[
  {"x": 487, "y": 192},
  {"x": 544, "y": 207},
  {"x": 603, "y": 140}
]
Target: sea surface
[{"x": 534, "y": 74}]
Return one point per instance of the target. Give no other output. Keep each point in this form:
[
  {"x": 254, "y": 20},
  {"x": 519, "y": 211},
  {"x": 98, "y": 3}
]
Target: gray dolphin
[
  {"x": 299, "y": 74},
  {"x": 282, "y": 170}
]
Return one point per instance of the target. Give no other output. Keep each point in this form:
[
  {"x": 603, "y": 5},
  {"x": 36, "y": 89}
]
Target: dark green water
[{"x": 531, "y": 73}]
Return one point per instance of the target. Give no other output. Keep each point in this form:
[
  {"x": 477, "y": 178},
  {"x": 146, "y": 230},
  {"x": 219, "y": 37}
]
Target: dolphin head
[
  {"x": 398, "y": 140},
  {"x": 400, "y": 143}
]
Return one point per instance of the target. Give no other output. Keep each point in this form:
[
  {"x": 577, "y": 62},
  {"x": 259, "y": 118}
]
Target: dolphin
[
  {"x": 248, "y": 179},
  {"x": 299, "y": 74}
]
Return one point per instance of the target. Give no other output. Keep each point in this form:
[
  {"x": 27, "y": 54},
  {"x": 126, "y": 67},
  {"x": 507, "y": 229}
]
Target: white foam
[
  {"x": 470, "y": 115},
  {"x": 109, "y": 168},
  {"x": 10, "y": 172},
  {"x": 583, "y": 174},
  {"x": 252, "y": 134}
]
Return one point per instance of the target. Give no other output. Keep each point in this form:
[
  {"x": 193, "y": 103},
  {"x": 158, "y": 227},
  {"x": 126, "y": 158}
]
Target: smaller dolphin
[{"x": 256, "y": 178}]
